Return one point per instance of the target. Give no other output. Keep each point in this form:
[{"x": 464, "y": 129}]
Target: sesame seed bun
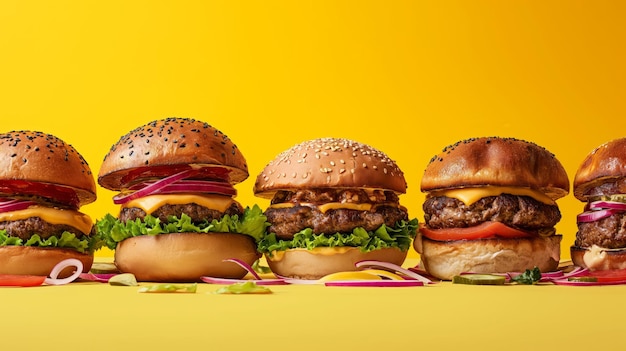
[
  {"x": 606, "y": 163},
  {"x": 498, "y": 162},
  {"x": 28, "y": 260},
  {"x": 446, "y": 259},
  {"x": 39, "y": 157},
  {"x": 171, "y": 142},
  {"x": 316, "y": 263},
  {"x": 185, "y": 257},
  {"x": 330, "y": 163}
]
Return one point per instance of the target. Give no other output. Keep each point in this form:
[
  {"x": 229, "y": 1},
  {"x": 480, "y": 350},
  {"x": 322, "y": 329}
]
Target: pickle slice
[
  {"x": 479, "y": 279},
  {"x": 103, "y": 268},
  {"x": 124, "y": 279},
  {"x": 582, "y": 279}
]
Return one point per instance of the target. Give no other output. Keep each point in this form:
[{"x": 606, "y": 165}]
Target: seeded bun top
[
  {"x": 330, "y": 163},
  {"x": 498, "y": 162},
  {"x": 606, "y": 163},
  {"x": 171, "y": 142},
  {"x": 39, "y": 157}
]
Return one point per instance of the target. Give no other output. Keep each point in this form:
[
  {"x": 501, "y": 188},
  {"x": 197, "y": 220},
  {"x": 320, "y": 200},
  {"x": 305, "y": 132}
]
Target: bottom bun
[
  {"x": 185, "y": 257},
  {"x": 318, "y": 262},
  {"x": 597, "y": 258},
  {"x": 30, "y": 260},
  {"x": 445, "y": 259}
]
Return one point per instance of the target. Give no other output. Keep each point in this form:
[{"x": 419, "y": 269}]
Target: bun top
[
  {"x": 330, "y": 163},
  {"x": 171, "y": 142},
  {"x": 498, "y": 162},
  {"x": 605, "y": 164},
  {"x": 39, "y": 157}
]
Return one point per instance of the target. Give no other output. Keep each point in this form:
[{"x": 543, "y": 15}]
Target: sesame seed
[
  {"x": 305, "y": 175},
  {"x": 385, "y": 170},
  {"x": 294, "y": 175},
  {"x": 342, "y": 170},
  {"x": 375, "y": 167},
  {"x": 364, "y": 165},
  {"x": 317, "y": 156},
  {"x": 352, "y": 171},
  {"x": 342, "y": 161},
  {"x": 332, "y": 163}
]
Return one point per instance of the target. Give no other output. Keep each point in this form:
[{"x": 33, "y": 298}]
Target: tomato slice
[
  {"x": 612, "y": 275},
  {"x": 482, "y": 231},
  {"x": 21, "y": 280}
]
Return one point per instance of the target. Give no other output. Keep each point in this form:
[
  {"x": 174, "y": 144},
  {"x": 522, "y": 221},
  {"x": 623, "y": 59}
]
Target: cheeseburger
[
  {"x": 43, "y": 183},
  {"x": 601, "y": 182},
  {"x": 178, "y": 219},
  {"x": 334, "y": 202},
  {"x": 490, "y": 208}
]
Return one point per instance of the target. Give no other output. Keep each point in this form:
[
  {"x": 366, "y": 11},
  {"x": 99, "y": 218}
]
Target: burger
[
  {"x": 178, "y": 219},
  {"x": 601, "y": 183},
  {"x": 490, "y": 208},
  {"x": 334, "y": 202},
  {"x": 43, "y": 183}
]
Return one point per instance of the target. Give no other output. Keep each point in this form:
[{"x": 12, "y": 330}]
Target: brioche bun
[
  {"x": 446, "y": 259},
  {"x": 606, "y": 163},
  {"x": 498, "y": 162},
  {"x": 318, "y": 262},
  {"x": 28, "y": 260},
  {"x": 185, "y": 257},
  {"x": 171, "y": 142},
  {"x": 596, "y": 258}
]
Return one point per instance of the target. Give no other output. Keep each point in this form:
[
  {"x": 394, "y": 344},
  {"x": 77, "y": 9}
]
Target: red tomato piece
[
  {"x": 612, "y": 275},
  {"x": 21, "y": 280},
  {"x": 482, "y": 231}
]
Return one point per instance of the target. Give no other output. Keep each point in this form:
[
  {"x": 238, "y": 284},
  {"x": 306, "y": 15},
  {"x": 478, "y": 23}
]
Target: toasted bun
[
  {"x": 598, "y": 259},
  {"x": 185, "y": 257},
  {"x": 606, "y": 163},
  {"x": 28, "y": 260},
  {"x": 316, "y": 263},
  {"x": 444, "y": 260},
  {"x": 40, "y": 157},
  {"x": 330, "y": 163},
  {"x": 499, "y": 162},
  {"x": 170, "y": 142}
]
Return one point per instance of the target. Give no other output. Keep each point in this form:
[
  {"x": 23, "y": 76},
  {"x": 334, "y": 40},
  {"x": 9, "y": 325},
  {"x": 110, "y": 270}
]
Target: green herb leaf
[
  {"x": 528, "y": 277},
  {"x": 243, "y": 288}
]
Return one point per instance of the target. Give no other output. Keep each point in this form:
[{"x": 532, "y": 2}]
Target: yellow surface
[{"x": 407, "y": 77}]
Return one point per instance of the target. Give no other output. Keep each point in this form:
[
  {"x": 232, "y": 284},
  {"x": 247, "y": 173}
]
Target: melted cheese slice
[
  {"x": 72, "y": 218},
  {"x": 152, "y": 203},
  {"x": 328, "y": 206},
  {"x": 470, "y": 195}
]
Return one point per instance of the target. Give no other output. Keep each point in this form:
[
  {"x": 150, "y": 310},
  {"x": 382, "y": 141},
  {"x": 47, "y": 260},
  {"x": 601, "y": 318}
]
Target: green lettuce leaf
[
  {"x": 252, "y": 222},
  {"x": 399, "y": 236},
  {"x": 67, "y": 240}
]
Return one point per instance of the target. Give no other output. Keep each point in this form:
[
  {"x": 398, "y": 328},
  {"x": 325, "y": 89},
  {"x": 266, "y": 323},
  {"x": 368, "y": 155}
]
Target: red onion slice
[
  {"x": 244, "y": 265},
  {"x": 9, "y": 205},
  {"x": 193, "y": 186},
  {"x": 97, "y": 277},
  {"x": 70, "y": 262},
  {"x": 395, "y": 268},
  {"x": 375, "y": 283},
  {"x": 592, "y": 216},
  {"x": 614, "y": 205},
  {"x": 154, "y": 187},
  {"x": 226, "y": 281},
  {"x": 581, "y": 283}
]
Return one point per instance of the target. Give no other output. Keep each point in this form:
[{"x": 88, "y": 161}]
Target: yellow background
[{"x": 407, "y": 77}]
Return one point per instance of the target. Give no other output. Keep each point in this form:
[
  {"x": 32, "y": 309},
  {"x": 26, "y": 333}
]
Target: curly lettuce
[
  {"x": 252, "y": 223},
  {"x": 399, "y": 236},
  {"x": 67, "y": 240}
]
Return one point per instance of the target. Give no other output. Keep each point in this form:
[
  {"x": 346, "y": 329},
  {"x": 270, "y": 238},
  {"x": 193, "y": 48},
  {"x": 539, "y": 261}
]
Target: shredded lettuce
[
  {"x": 399, "y": 236},
  {"x": 252, "y": 222},
  {"x": 67, "y": 240}
]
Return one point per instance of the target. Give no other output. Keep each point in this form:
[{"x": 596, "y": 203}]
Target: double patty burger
[
  {"x": 490, "y": 207},
  {"x": 43, "y": 183},
  {"x": 334, "y": 203},
  {"x": 178, "y": 219},
  {"x": 601, "y": 182}
]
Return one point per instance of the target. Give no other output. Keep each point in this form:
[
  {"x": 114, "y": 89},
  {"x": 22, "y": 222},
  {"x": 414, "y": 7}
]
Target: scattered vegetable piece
[
  {"x": 479, "y": 279},
  {"x": 243, "y": 288},
  {"x": 21, "y": 280},
  {"x": 169, "y": 288},
  {"x": 529, "y": 277},
  {"x": 124, "y": 279},
  {"x": 260, "y": 269},
  {"x": 103, "y": 268}
]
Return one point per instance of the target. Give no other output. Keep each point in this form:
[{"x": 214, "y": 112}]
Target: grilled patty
[
  {"x": 609, "y": 232},
  {"x": 197, "y": 213},
  {"x": 521, "y": 212},
  {"x": 25, "y": 228}
]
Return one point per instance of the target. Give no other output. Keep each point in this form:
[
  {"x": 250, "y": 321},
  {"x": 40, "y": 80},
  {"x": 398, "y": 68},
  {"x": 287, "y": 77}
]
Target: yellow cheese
[
  {"x": 470, "y": 195},
  {"x": 153, "y": 202},
  {"x": 72, "y": 218},
  {"x": 328, "y": 206}
]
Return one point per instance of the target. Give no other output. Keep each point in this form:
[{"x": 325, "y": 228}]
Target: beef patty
[{"x": 197, "y": 213}]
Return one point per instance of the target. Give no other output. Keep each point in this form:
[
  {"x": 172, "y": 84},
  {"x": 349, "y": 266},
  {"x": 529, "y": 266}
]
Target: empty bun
[
  {"x": 170, "y": 142},
  {"x": 40, "y": 157},
  {"x": 598, "y": 259},
  {"x": 606, "y": 163},
  {"x": 185, "y": 257},
  {"x": 29, "y": 260},
  {"x": 498, "y": 162},
  {"x": 444, "y": 260},
  {"x": 316, "y": 263},
  {"x": 330, "y": 163}
]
